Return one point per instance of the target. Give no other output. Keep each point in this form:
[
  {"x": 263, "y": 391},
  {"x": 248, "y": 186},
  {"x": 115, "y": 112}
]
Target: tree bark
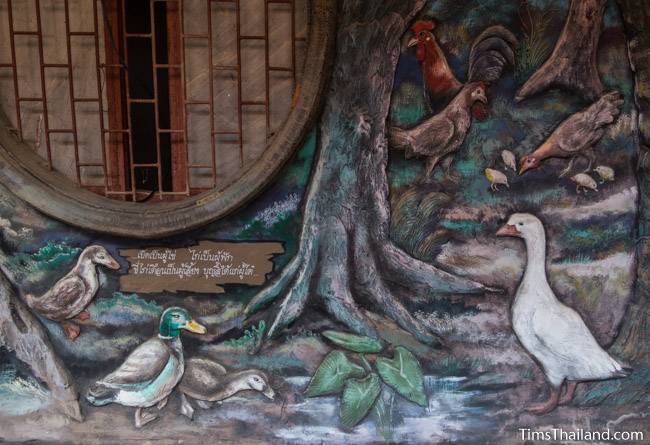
[
  {"x": 572, "y": 65},
  {"x": 633, "y": 342},
  {"x": 23, "y": 334},
  {"x": 345, "y": 251}
]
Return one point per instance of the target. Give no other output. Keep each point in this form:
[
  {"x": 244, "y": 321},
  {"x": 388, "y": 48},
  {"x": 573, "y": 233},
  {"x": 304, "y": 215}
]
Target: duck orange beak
[
  {"x": 195, "y": 327},
  {"x": 508, "y": 230}
]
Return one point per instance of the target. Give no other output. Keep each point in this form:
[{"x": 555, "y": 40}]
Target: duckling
[
  {"x": 207, "y": 382},
  {"x": 553, "y": 333},
  {"x": 151, "y": 372},
  {"x": 496, "y": 177},
  {"x": 70, "y": 296}
]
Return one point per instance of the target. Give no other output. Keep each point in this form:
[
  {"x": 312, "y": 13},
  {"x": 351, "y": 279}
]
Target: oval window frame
[{"x": 27, "y": 176}]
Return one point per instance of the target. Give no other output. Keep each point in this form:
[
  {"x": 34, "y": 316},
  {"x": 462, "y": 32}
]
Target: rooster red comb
[{"x": 423, "y": 25}]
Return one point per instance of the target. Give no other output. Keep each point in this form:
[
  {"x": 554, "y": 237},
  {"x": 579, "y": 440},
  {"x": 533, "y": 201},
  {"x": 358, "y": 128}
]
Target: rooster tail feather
[{"x": 493, "y": 50}]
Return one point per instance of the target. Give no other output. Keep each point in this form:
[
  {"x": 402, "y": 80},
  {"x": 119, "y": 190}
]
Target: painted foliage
[{"x": 394, "y": 311}]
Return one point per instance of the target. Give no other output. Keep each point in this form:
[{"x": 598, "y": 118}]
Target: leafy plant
[
  {"x": 252, "y": 337},
  {"x": 360, "y": 385}
]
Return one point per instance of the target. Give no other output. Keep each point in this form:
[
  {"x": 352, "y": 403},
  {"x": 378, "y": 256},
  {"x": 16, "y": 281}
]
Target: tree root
[
  {"x": 572, "y": 65},
  {"x": 22, "y": 333}
]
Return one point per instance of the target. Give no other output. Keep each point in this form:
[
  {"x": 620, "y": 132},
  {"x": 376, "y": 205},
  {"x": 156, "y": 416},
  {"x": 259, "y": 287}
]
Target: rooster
[
  {"x": 577, "y": 135},
  {"x": 443, "y": 133},
  {"x": 492, "y": 51}
]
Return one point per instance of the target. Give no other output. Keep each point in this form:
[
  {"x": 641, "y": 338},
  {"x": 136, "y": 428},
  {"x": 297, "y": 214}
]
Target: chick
[
  {"x": 509, "y": 159},
  {"x": 585, "y": 182},
  {"x": 496, "y": 177},
  {"x": 605, "y": 173}
]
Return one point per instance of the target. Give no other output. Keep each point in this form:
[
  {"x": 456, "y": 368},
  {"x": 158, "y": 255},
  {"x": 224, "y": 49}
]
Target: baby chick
[
  {"x": 605, "y": 173},
  {"x": 509, "y": 159},
  {"x": 584, "y": 181},
  {"x": 496, "y": 177}
]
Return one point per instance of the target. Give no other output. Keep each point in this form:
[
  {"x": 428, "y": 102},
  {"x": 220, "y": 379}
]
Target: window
[
  {"x": 150, "y": 100},
  {"x": 197, "y": 103}
]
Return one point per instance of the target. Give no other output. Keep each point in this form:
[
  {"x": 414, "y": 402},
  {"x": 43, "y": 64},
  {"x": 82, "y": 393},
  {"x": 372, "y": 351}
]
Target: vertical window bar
[
  {"x": 128, "y": 106},
  {"x": 73, "y": 111},
  {"x": 213, "y": 148},
  {"x": 154, "y": 68},
  {"x": 100, "y": 100},
  {"x": 12, "y": 43},
  {"x": 46, "y": 124},
  {"x": 239, "y": 80}
]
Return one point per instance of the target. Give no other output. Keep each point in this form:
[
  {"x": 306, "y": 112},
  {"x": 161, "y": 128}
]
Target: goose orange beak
[
  {"x": 195, "y": 327},
  {"x": 508, "y": 230}
]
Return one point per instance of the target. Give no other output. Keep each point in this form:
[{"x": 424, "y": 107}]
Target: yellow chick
[
  {"x": 496, "y": 178},
  {"x": 606, "y": 173}
]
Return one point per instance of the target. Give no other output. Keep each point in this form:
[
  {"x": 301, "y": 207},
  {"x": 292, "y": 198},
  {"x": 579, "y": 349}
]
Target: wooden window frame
[{"x": 24, "y": 173}]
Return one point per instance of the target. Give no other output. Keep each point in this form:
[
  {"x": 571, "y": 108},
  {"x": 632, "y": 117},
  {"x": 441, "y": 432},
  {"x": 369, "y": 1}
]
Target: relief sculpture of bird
[
  {"x": 577, "y": 135},
  {"x": 442, "y": 134},
  {"x": 69, "y": 297},
  {"x": 492, "y": 51}
]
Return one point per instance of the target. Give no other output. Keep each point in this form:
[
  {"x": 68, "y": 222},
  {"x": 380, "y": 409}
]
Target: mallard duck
[
  {"x": 70, "y": 296},
  {"x": 151, "y": 372},
  {"x": 553, "y": 333},
  {"x": 207, "y": 381}
]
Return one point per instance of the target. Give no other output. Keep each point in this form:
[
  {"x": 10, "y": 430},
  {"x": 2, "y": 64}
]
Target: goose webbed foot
[
  {"x": 567, "y": 394},
  {"x": 71, "y": 330},
  {"x": 143, "y": 418},
  {"x": 547, "y": 406},
  {"x": 83, "y": 315},
  {"x": 186, "y": 407}
]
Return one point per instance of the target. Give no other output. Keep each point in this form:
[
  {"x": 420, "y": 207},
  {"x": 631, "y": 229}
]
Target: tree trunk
[
  {"x": 633, "y": 342},
  {"x": 345, "y": 251},
  {"x": 572, "y": 65},
  {"x": 22, "y": 333}
]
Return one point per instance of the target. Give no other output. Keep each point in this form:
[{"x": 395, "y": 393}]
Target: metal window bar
[{"x": 130, "y": 190}]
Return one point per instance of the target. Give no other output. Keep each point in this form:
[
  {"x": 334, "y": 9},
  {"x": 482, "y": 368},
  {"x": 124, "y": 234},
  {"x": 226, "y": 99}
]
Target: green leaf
[
  {"x": 356, "y": 343},
  {"x": 358, "y": 398},
  {"x": 403, "y": 373},
  {"x": 332, "y": 373}
]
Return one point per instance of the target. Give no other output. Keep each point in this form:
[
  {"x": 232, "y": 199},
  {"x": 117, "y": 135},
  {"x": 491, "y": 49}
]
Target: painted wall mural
[{"x": 452, "y": 256}]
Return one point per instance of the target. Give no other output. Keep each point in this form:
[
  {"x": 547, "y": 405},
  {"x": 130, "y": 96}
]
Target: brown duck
[{"x": 70, "y": 296}]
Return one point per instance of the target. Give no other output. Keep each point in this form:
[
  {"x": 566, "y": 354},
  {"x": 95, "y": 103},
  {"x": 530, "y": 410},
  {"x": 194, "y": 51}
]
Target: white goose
[{"x": 553, "y": 333}]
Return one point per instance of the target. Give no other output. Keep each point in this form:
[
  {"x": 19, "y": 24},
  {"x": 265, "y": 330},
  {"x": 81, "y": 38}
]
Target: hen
[
  {"x": 577, "y": 135},
  {"x": 492, "y": 51},
  {"x": 443, "y": 133}
]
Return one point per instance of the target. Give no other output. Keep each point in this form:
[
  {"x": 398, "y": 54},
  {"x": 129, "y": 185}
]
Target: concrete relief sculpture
[{"x": 366, "y": 296}]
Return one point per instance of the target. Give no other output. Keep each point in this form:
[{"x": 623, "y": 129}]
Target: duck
[
  {"x": 207, "y": 381},
  {"x": 550, "y": 331},
  {"x": 69, "y": 297},
  {"x": 151, "y": 372}
]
